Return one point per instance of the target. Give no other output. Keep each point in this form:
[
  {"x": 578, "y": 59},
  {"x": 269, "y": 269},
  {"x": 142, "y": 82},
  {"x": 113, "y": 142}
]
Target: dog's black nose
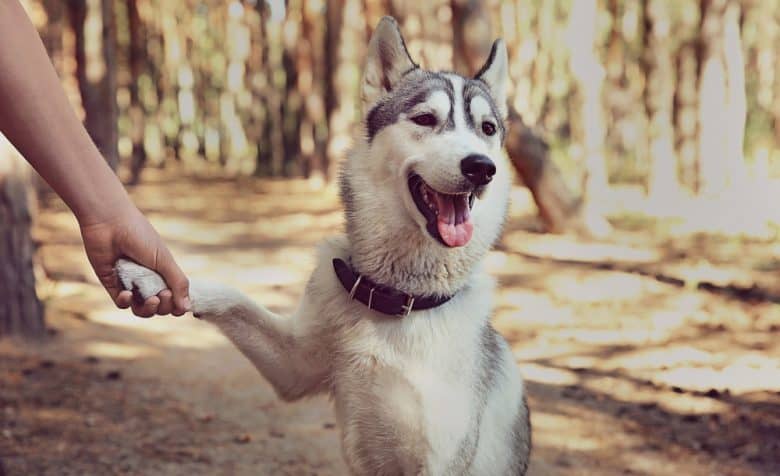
[{"x": 479, "y": 169}]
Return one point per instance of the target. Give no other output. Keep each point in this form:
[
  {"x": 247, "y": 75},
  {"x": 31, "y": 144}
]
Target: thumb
[
  {"x": 175, "y": 279},
  {"x": 102, "y": 261},
  {"x": 108, "y": 278}
]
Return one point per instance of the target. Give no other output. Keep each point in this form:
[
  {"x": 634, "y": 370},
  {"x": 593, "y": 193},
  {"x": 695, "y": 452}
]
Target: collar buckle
[
  {"x": 406, "y": 309},
  {"x": 355, "y": 286},
  {"x": 370, "y": 296}
]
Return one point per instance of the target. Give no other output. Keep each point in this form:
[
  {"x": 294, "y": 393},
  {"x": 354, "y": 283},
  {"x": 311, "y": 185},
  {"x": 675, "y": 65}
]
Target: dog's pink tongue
[{"x": 454, "y": 221}]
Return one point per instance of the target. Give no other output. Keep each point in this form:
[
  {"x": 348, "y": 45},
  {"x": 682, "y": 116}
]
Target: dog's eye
[
  {"x": 425, "y": 120},
  {"x": 488, "y": 128}
]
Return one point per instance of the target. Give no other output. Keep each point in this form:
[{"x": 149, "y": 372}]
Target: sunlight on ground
[
  {"x": 550, "y": 425},
  {"x": 548, "y": 375},
  {"x": 605, "y": 287},
  {"x": 114, "y": 350},
  {"x": 562, "y": 248}
]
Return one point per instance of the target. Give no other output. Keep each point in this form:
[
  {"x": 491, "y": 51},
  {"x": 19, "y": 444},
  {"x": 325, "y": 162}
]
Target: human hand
[{"x": 129, "y": 234}]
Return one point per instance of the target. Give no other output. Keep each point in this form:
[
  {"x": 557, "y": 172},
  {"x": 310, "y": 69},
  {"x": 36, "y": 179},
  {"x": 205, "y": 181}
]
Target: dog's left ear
[
  {"x": 496, "y": 75},
  {"x": 386, "y": 62}
]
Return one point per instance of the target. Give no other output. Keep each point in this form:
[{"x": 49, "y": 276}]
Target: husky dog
[{"x": 394, "y": 322}]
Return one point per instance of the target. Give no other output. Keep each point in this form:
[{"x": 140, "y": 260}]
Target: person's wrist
[
  {"x": 92, "y": 190},
  {"x": 105, "y": 211}
]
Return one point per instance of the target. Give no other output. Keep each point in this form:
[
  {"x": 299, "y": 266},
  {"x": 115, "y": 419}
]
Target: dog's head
[
  {"x": 440, "y": 134},
  {"x": 426, "y": 186}
]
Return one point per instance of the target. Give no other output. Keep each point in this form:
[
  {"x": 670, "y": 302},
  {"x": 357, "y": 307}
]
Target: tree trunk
[
  {"x": 173, "y": 62},
  {"x": 768, "y": 73},
  {"x": 713, "y": 101},
  {"x": 471, "y": 21},
  {"x": 291, "y": 106},
  {"x": 428, "y": 43},
  {"x": 151, "y": 95},
  {"x": 686, "y": 114},
  {"x": 137, "y": 59},
  {"x": 776, "y": 89},
  {"x": 52, "y": 33},
  {"x": 20, "y": 311},
  {"x": 588, "y": 74},
  {"x": 627, "y": 131},
  {"x": 239, "y": 157},
  {"x": 659, "y": 101},
  {"x": 310, "y": 63},
  {"x": 617, "y": 100},
  {"x": 271, "y": 159},
  {"x": 339, "y": 97},
  {"x": 95, "y": 32},
  {"x": 736, "y": 114},
  {"x": 532, "y": 79}
]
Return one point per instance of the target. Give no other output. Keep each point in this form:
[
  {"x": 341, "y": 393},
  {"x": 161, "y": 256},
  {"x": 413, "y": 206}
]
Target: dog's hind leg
[{"x": 284, "y": 350}]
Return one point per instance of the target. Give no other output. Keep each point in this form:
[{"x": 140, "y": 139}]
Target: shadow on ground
[{"x": 626, "y": 374}]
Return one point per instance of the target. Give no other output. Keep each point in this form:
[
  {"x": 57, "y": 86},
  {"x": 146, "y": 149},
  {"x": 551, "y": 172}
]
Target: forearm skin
[{"x": 36, "y": 117}]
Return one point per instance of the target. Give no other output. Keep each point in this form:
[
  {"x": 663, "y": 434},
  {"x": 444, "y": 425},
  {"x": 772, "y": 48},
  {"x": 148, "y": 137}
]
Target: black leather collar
[{"x": 380, "y": 298}]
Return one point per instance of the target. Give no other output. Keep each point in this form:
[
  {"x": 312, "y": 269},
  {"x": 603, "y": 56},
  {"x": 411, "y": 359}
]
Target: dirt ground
[{"x": 632, "y": 365}]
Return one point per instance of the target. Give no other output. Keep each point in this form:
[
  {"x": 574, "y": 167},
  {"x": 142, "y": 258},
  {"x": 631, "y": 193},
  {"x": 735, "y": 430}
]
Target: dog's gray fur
[{"x": 436, "y": 392}]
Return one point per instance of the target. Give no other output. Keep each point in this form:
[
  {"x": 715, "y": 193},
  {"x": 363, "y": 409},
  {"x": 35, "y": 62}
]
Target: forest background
[{"x": 639, "y": 268}]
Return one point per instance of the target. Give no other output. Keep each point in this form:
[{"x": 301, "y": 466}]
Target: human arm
[{"x": 36, "y": 117}]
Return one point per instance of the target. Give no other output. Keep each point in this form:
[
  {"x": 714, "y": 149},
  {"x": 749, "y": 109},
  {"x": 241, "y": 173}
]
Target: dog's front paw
[{"x": 143, "y": 282}]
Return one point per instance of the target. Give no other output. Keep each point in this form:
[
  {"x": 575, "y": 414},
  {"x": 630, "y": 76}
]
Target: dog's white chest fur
[
  {"x": 412, "y": 393},
  {"x": 415, "y": 375},
  {"x": 423, "y": 409}
]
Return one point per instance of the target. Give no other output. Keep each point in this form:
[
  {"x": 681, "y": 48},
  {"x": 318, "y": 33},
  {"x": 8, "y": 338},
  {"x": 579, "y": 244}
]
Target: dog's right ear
[
  {"x": 495, "y": 73},
  {"x": 386, "y": 62}
]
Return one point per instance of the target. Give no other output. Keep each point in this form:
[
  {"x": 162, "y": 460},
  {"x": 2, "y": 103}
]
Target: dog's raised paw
[{"x": 144, "y": 282}]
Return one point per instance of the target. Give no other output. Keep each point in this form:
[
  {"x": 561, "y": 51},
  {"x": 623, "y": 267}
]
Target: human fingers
[
  {"x": 146, "y": 308},
  {"x": 176, "y": 280},
  {"x": 166, "y": 302}
]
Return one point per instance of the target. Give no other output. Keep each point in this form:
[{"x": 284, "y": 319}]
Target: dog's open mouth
[{"x": 448, "y": 215}]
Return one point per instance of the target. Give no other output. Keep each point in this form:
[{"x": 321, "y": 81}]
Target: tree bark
[
  {"x": 736, "y": 114},
  {"x": 713, "y": 143},
  {"x": 21, "y": 313},
  {"x": 428, "y": 43},
  {"x": 659, "y": 101},
  {"x": 588, "y": 74},
  {"x": 292, "y": 103},
  {"x": 768, "y": 87},
  {"x": 52, "y": 33},
  {"x": 137, "y": 59},
  {"x": 94, "y": 28},
  {"x": 471, "y": 21},
  {"x": 686, "y": 114},
  {"x": 336, "y": 90},
  {"x": 776, "y": 89},
  {"x": 271, "y": 157},
  {"x": 311, "y": 57},
  {"x": 239, "y": 157}
]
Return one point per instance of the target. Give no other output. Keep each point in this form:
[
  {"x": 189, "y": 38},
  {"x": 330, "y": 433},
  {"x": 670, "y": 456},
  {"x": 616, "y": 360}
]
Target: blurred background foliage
[
  {"x": 617, "y": 107},
  {"x": 272, "y": 88}
]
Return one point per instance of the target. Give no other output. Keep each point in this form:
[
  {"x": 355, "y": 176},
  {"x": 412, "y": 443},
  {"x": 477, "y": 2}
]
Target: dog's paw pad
[{"x": 142, "y": 281}]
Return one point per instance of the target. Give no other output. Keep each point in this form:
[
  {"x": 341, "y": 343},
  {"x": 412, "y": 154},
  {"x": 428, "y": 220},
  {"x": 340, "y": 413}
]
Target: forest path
[{"x": 625, "y": 374}]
